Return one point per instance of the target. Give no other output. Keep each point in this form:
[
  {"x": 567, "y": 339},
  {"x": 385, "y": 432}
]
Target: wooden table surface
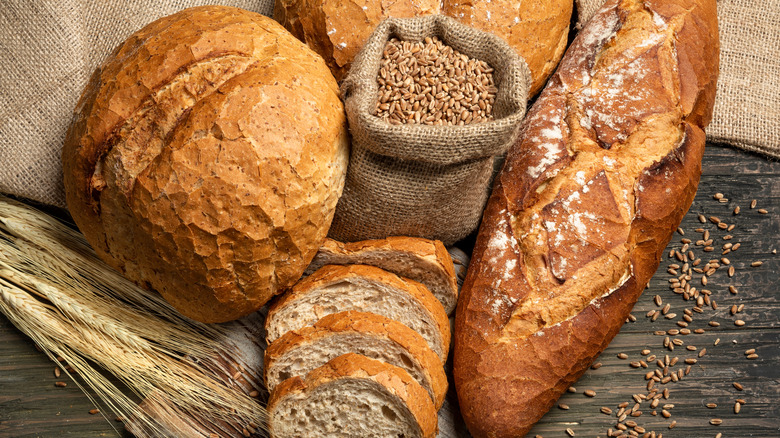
[{"x": 31, "y": 406}]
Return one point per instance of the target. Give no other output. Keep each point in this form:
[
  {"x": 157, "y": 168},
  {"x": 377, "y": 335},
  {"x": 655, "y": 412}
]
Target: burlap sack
[
  {"x": 48, "y": 50},
  {"x": 747, "y": 105},
  {"x": 419, "y": 180}
]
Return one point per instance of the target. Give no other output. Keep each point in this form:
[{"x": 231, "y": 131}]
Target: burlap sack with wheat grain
[
  {"x": 421, "y": 180},
  {"x": 48, "y": 50},
  {"x": 747, "y": 104}
]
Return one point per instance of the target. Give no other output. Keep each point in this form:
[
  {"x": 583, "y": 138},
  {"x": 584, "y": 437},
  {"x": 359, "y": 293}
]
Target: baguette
[
  {"x": 352, "y": 396},
  {"x": 374, "y": 336},
  {"x": 363, "y": 288},
  {"x": 607, "y": 165},
  {"x": 422, "y": 260}
]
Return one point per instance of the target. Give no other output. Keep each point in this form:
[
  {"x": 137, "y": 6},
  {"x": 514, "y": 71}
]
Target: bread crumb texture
[
  {"x": 352, "y": 395},
  {"x": 206, "y": 158}
]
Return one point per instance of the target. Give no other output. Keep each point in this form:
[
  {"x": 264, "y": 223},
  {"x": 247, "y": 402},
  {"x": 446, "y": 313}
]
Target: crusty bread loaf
[
  {"x": 206, "y": 158},
  {"x": 606, "y": 166},
  {"x": 537, "y": 29},
  {"x": 422, "y": 260},
  {"x": 299, "y": 351},
  {"x": 363, "y": 288},
  {"x": 337, "y": 29},
  {"x": 352, "y": 396}
]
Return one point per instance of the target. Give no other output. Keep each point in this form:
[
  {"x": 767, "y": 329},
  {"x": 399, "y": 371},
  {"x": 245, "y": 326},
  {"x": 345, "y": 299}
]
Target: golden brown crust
[
  {"x": 372, "y": 325},
  {"x": 206, "y": 158},
  {"x": 422, "y": 260},
  {"x": 606, "y": 167},
  {"x": 354, "y": 366},
  {"x": 537, "y": 29},
  {"x": 337, "y": 29},
  {"x": 331, "y": 274}
]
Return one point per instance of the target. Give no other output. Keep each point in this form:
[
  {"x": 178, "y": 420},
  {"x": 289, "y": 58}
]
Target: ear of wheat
[{"x": 56, "y": 291}]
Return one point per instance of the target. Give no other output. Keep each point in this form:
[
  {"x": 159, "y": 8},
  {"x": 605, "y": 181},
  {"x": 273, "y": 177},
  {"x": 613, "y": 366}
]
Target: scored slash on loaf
[
  {"x": 205, "y": 160},
  {"x": 607, "y": 165}
]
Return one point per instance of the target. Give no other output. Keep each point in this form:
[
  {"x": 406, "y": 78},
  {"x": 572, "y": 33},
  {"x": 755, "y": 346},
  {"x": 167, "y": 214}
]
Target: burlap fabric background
[
  {"x": 48, "y": 50},
  {"x": 419, "y": 180},
  {"x": 747, "y": 106}
]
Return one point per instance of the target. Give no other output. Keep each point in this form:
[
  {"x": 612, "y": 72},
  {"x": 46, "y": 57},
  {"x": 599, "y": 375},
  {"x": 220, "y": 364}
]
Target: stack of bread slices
[{"x": 358, "y": 347}]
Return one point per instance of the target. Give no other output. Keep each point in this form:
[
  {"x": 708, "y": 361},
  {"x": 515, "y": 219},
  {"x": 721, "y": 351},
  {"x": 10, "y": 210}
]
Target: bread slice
[
  {"x": 371, "y": 335},
  {"x": 364, "y": 288},
  {"x": 353, "y": 396},
  {"x": 422, "y": 260}
]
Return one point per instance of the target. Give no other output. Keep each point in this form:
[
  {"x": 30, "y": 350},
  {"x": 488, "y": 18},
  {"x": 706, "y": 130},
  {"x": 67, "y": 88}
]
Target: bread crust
[
  {"x": 410, "y": 257},
  {"x": 331, "y": 274},
  {"x": 337, "y": 29},
  {"x": 205, "y": 159},
  {"x": 605, "y": 169},
  {"x": 537, "y": 29},
  {"x": 368, "y": 324},
  {"x": 351, "y": 366}
]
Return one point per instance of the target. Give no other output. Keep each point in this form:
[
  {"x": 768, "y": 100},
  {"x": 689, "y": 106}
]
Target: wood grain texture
[{"x": 30, "y": 403}]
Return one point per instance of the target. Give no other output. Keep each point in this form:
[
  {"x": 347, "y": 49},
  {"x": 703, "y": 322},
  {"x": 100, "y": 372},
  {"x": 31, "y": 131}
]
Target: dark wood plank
[
  {"x": 742, "y": 177},
  {"x": 31, "y": 406}
]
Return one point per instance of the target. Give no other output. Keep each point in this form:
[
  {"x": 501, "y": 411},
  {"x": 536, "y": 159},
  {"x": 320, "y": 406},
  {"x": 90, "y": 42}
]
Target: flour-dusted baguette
[
  {"x": 352, "y": 396},
  {"x": 368, "y": 334},
  {"x": 364, "y": 288},
  {"x": 422, "y": 260},
  {"x": 607, "y": 165}
]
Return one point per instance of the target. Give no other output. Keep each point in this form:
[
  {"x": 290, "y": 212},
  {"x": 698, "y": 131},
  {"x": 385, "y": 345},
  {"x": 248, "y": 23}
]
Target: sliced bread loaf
[
  {"x": 371, "y": 335},
  {"x": 352, "y": 396},
  {"x": 363, "y": 288},
  {"x": 422, "y": 260}
]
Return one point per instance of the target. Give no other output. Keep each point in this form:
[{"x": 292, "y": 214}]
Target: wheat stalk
[{"x": 55, "y": 290}]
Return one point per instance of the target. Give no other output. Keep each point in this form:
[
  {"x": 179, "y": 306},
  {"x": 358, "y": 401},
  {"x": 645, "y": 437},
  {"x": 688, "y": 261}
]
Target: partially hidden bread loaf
[
  {"x": 298, "y": 352},
  {"x": 363, "y": 288},
  {"x": 606, "y": 167},
  {"x": 337, "y": 29},
  {"x": 205, "y": 159},
  {"x": 537, "y": 29},
  {"x": 352, "y": 396},
  {"x": 422, "y": 260}
]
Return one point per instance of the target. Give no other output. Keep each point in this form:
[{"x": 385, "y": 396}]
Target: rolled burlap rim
[{"x": 435, "y": 144}]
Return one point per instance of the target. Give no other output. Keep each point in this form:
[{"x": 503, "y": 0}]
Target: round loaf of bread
[
  {"x": 205, "y": 160},
  {"x": 337, "y": 29},
  {"x": 537, "y": 29}
]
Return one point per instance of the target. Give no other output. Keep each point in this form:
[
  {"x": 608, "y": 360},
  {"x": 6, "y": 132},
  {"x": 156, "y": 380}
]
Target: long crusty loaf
[
  {"x": 364, "y": 288},
  {"x": 422, "y": 260},
  {"x": 368, "y": 334},
  {"x": 352, "y": 396},
  {"x": 605, "y": 169}
]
